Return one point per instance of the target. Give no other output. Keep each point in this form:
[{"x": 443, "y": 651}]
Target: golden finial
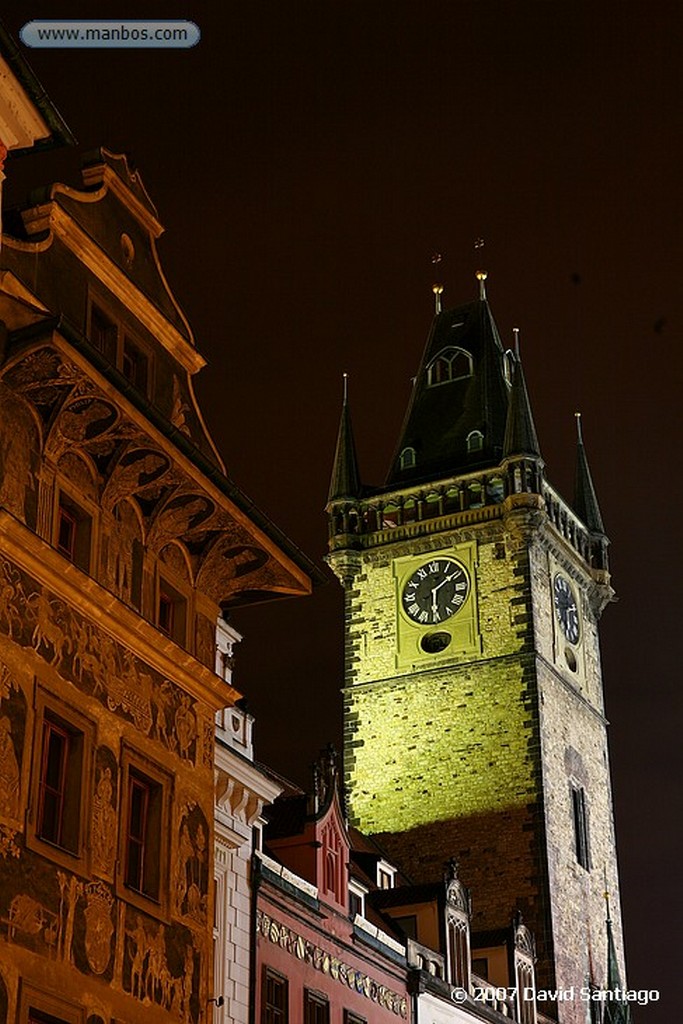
[
  {"x": 437, "y": 288},
  {"x": 481, "y": 278},
  {"x": 579, "y": 432},
  {"x": 345, "y": 378},
  {"x": 515, "y": 331}
]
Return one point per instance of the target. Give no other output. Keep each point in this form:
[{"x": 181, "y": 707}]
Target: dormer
[
  {"x": 308, "y": 835},
  {"x": 457, "y": 915}
]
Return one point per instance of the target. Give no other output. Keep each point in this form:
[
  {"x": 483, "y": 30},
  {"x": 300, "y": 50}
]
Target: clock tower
[{"x": 474, "y": 721}]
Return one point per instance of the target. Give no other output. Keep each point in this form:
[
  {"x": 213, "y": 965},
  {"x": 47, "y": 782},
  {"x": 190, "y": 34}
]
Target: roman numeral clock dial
[
  {"x": 435, "y": 591},
  {"x": 566, "y": 609}
]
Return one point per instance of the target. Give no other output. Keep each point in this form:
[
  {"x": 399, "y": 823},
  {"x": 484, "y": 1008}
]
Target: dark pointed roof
[
  {"x": 520, "y": 432},
  {"x": 345, "y": 482},
  {"x": 441, "y": 416},
  {"x": 585, "y": 499}
]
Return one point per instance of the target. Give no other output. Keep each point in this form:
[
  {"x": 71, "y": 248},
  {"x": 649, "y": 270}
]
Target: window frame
[
  {"x": 170, "y": 594},
  {"x": 475, "y": 442},
  {"x": 313, "y": 1002},
  {"x": 582, "y": 845},
  {"x": 37, "y": 1006},
  {"x": 448, "y": 356},
  {"x": 153, "y": 893},
  {"x": 359, "y": 892},
  {"x": 83, "y": 516},
  {"x": 282, "y": 980},
  {"x": 117, "y": 344},
  {"x": 388, "y": 871},
  {"x": 76, "y": 794}
]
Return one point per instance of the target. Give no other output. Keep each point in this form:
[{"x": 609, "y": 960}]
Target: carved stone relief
[
  {"x": 122, "y": 551},
  {"x": 97, "y": 664},
  {"x": 174, "y": 558},
  {"x": 19, "y": 446},
  {"x": 62, "y": 917},
  {"x": 75, "y": 469},
  {"x": 192, "y": 865},
  {"x": 136, "y": 470},
  {"x": 160, "y": 966},
  {"x": 182, "y": 515},
  {"x": 104, "y": 814},
  {"x": 180, "y": 408},
  {"x": 12, "y": 728}
]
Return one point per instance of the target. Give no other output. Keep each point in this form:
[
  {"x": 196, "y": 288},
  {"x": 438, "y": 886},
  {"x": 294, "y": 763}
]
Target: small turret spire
[
  {"x": 345, "y": 482},
  {"x": 520, "y": 430},
  {"x": 585, "y": 499},
  {"x": 617, "y": 1010},
  {"x": 481, "y": 278},
  {"x": 438, "y": 291}
]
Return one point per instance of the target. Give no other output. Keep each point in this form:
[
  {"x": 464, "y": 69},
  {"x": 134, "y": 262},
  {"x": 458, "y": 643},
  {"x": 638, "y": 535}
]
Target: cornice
[
  {"x": 53, "y": 217},
  {"x": 126, "y": 626},
  {"x": 188, "y": 466},
  {"x": 229, "y": 763},
  {"x": 120, "y": 285}
]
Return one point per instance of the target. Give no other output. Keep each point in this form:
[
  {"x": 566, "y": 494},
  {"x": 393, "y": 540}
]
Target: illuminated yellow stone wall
[{"x": 474, "y": 753}]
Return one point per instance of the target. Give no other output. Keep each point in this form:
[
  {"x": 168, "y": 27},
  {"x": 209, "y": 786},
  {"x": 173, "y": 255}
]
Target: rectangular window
[
  {"x": 134, "y": 365},
  {"x": 59, "y": 785},
  {"x": 103, "y": 333},
  {"x": 356, "y": 907},
  {"x": 353, "y": 1018},
  {"x": 581, "y": 837},
  {"x": 131, "y": 357},
  {"x": 316, "y": 1008},
  {"x": 143, "y": 835},
  {"x": 275, "y": 996},
  {"x": 172, "y": 612},
  {"x": 73, "y": 532},
  {"x": 37, "y": 1006}
]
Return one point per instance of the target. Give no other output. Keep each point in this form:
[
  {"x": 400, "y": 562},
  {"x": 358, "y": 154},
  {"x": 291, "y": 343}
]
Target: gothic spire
[
  {"x": 456, "y": 416},
  {"x": 345, "y": 482},
  {"x": 617, "y": 1010},
  {"x": 520, "y": 432},
  {"x": 585, "y": 500}
]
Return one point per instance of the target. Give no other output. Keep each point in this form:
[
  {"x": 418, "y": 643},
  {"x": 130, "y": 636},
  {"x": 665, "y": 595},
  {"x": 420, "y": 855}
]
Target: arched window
[
  {"x": 406, "y": 459},
  {"x": 508, "y": 365},
  {"x": 495, "y": 489},
  {"x": 450, "y": 364},
  {"x": 459, "y": 950},
  {"x": 475, "y": 441}
]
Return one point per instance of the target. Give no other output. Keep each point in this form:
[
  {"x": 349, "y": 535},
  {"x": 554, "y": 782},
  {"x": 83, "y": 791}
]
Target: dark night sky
[{"x": 307, "y": 160}]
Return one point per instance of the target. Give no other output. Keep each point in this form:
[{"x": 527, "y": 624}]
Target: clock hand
[{"x": 445, "y": 581}]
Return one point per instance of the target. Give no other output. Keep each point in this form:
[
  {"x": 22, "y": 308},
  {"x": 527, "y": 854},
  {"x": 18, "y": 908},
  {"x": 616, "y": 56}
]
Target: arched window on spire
[
  {"x": 475, "y": 441},
  {"x": 509, "y": 366},
  {"x": 406, "y": 459},
  {"x": 450, "y": 364}
]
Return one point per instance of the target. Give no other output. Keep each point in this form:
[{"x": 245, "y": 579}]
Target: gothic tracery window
[{"x": 450, "y": 364}]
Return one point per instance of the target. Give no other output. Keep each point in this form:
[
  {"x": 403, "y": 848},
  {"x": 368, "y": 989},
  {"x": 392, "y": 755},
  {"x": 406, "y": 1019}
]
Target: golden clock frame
[{"x": 462, "y": 627}]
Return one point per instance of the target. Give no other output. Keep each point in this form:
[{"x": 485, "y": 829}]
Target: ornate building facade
[
  {"x": 474, "y": 712},
  {"x": 122, "y": 541}
]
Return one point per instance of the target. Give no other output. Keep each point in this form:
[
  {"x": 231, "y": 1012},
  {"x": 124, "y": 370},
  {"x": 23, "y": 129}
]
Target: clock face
[
  {"x": 435, "y": 591},
  {"x": 566, "y": 609}
]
